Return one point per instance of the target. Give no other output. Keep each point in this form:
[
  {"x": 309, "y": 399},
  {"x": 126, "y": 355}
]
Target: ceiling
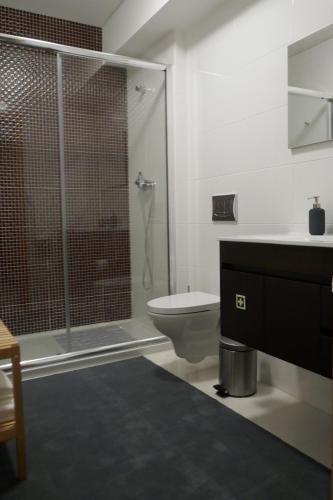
[
  {"x": 94, "y": 12},
  {"x": 175, "y": 15}
]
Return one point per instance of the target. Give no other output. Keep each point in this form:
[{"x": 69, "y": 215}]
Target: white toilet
[{"x": 190, "y": 320}]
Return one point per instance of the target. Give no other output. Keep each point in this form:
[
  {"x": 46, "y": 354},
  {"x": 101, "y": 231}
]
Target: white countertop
[{"x": 283, "y": 239}]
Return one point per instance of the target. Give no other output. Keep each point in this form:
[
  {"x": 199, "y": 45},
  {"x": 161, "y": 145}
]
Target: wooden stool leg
[
  {"x": 19, "y": 417},
  {"x": 21, "y": 460}
]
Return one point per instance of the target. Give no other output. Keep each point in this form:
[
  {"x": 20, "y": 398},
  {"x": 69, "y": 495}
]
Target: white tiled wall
[
  {"x": 228, "y": 133},
  {"x": 237, "y": 91},
  {"x": 309, "y": 16}
]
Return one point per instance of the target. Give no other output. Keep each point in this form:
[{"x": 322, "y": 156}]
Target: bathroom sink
[{"x": 283, "y": 239}]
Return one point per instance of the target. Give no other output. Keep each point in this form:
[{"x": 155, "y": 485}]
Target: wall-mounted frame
[{"x": 310, "y": 89}]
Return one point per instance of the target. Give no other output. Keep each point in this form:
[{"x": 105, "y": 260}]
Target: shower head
[
  {"x": 143, "y": 89},
  {"x": 143, "y": 183}
]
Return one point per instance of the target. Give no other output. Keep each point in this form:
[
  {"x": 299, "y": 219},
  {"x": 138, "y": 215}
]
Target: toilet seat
[{"x": 184, "y": 303}]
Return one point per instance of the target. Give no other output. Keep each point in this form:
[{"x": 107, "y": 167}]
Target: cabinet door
[
  {"x": 292, "y": 321},
  {"x": 242, "y": 307},
  {"x": 326, "y": 332}
]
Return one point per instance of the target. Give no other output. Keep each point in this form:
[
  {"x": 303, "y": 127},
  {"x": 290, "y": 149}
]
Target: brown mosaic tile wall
[
  {"x": 95, "y": 119},
  {"x": 30, "y": 217},
  {"x": 21, "y": 23},
  {"x": 31, "y": 270}
]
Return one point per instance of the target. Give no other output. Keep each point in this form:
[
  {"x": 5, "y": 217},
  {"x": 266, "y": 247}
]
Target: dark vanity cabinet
[{"x": 277, "y": 299}]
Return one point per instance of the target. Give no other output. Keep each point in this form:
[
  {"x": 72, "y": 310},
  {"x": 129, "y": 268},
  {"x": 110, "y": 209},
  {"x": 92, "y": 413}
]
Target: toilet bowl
[{"x": 190, "y": 320}]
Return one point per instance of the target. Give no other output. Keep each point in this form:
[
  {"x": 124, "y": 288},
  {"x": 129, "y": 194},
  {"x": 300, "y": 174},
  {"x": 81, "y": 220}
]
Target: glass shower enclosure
[{"x": 84, "y": 209}]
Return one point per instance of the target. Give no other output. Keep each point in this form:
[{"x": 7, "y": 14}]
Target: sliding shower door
[
  {"x": 96, "y": 187},
  {"x": 116, "y": 235},
  {"x": 31, "y": 259},
  {"x": 148, "y": 204},
  {"x": 83, "y": 190}
]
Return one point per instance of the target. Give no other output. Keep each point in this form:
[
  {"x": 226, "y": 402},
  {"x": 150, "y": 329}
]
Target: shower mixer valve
[{"x": 143, "y": 183}]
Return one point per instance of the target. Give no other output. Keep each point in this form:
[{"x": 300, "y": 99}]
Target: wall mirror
[{"x": 310, "y": 89}]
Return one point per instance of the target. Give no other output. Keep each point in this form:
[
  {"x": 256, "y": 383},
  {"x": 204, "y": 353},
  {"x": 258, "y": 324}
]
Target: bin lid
[{"x": 233, "y": 345}]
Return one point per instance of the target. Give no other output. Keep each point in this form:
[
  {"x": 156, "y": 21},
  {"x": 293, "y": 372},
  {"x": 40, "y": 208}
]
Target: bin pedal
[{"x": 221, "y": 391}]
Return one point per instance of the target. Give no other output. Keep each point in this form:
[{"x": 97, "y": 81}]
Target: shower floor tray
[{"x": 44, "y": 344}]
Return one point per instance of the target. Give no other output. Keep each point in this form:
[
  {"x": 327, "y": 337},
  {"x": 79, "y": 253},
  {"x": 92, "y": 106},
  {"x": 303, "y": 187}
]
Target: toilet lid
[{"x": 183, "y": 303}]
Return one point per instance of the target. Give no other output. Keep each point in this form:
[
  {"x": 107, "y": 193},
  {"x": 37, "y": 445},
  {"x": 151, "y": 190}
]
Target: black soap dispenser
[{"x": 316, "y": 217}]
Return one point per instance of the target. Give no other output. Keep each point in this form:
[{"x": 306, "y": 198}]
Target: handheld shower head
[{"x": 143, "y": 183}]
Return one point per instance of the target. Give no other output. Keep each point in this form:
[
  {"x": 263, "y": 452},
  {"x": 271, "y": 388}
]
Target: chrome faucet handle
[
  {"x": 139, "y": 181},
  {"x": 143, "y": 183}
]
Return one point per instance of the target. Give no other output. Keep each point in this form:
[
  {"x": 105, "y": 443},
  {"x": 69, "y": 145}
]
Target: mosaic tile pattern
[
  {"x": 95, "y": 337},
  {"x": 96, "y": 169},
  {"x": 26, "y": 24},
  {"x": 31, "y": 260},
  {"x": 30, "y": 217}
]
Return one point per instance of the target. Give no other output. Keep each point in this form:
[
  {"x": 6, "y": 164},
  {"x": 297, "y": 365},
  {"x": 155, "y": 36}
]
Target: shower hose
[{"x": 147, "y": 273}]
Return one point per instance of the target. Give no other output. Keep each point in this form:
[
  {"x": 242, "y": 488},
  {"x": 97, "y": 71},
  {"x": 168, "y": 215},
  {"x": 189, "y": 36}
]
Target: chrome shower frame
[
  {"x": 123, "y": 62},
  {"x": 114, "y": 59}
]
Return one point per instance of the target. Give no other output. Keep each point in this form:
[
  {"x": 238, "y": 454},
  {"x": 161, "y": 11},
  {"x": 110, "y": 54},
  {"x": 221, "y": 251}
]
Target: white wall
[
  {"x": 130, "y": 16},
  {"x": 227, "y": 106},
  {"x": 237, "y": 92}
]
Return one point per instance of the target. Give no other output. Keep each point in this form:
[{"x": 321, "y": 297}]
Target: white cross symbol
[{"x": 240, "y": 301}]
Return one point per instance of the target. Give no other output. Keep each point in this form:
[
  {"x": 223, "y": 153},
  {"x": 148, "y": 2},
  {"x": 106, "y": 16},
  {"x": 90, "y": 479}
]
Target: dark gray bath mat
[
  {"x": 94, "y": 337},
  {"x": 131, "y": 431}
]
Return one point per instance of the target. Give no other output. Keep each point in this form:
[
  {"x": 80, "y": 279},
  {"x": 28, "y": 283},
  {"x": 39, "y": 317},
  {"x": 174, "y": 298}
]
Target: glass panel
[
  {"x": 117, "y": 233},
  {"x": 31, "y": 297},
  {"x": 115, "y": 176},
  {"x": 148, "y": 204},
  {"x": 95, "y": 139}
]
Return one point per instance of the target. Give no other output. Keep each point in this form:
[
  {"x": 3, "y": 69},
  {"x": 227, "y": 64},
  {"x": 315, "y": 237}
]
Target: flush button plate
[
  {"x": 224, "y": 207},
  {"x": 240, "y": 302}
]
